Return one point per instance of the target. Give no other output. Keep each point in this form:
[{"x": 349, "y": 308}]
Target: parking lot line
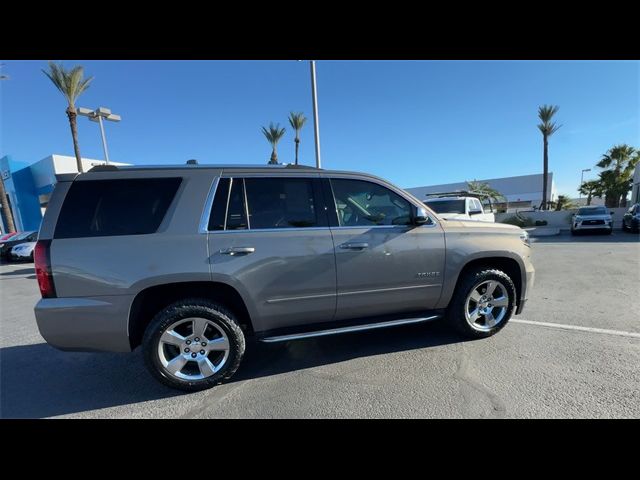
[{"x": 577, "y": 327}]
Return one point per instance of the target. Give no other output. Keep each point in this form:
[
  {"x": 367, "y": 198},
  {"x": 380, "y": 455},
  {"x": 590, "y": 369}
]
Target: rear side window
[{"x": 98, "y": 208}]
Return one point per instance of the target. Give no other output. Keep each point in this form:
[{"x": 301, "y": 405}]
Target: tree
[
  {"x": 591, "y": 188},
  {"x": 297, "y": 121},
  {"x": 619, "y": 163},
  {"x": 564, "y": 203},
  {"x": 485, "y": 189},
  {"x": 273, "y": 136},
  {"x": 6, "y": 211},
  {"x": 71, "y": 84},
  {"x": 547, "y": 128}
]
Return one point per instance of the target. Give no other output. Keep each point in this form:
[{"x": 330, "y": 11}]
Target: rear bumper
[{"x": 85, "y": 324}]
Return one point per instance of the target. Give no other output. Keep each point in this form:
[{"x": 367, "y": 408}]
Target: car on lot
[
  {"x": 21, "y": 237},
  {"x": 190, "y": 261},
  {"x": 23, "y": 251},
  {"x": 590, "y": 219},
  {"x": 6, "y": 236},
  {"x": 631, "y": 219},
  {"x": 460, "y": 206}
]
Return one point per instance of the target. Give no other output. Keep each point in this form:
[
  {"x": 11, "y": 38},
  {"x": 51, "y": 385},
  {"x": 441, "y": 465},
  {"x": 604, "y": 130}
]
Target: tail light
[{"x": 42, "y": 259}]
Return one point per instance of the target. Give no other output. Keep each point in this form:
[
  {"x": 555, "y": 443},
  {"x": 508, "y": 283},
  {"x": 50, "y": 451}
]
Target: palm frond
[
  {"x": 274, "y": 133},
  {"x": 297, "y": 120},
  {"x": 71, "y": 83}
]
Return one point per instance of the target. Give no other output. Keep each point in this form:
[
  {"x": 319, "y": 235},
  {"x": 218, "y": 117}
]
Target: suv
[
  {"x": 631, "y": 219},
  {"x": 591, "y": 218},
  {"x": 189, "y": 261}
]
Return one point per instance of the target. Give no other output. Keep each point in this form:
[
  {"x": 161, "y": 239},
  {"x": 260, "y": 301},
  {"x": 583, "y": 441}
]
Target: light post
[
  {"x": 96, "y": 116},
  {"x": 316, "y": 126},
  {"x": 582, "y": 180}
]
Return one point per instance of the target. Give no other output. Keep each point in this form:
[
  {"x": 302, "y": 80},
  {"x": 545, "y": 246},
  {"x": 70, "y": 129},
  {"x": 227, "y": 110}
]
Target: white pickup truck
[{"x": 460, "y": 206}]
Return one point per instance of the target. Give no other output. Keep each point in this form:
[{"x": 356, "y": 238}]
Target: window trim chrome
[{"x": 206, "y": 213}]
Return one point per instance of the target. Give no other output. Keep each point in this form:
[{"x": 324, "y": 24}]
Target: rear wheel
[
  {"x": 193, "y": 344},
  {"x": 483, "y": 303}
]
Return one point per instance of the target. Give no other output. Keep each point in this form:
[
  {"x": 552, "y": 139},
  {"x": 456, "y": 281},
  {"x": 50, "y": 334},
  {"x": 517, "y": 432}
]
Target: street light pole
[
  {"x": 582, "y": 180},
  {"x": 316, "y": 126},
  {"x": 96, "y": 116}
]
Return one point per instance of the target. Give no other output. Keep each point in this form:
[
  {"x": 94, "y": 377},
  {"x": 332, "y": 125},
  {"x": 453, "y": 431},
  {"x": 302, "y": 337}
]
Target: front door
[{"x": 384, "y": 263}]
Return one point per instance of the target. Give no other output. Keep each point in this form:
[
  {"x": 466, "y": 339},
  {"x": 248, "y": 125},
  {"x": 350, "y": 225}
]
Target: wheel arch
[{"x": 153, "y": 299}]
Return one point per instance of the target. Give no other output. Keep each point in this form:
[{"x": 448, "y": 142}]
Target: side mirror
[
  {"x": 475, "y": 212},
  {"x": 420, "y": 217}
]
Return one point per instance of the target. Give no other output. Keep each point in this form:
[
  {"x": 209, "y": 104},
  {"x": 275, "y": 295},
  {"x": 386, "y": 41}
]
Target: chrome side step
[{"x": 355, "y": 328}]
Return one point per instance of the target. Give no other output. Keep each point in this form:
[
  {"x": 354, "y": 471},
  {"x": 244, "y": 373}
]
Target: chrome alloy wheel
[
  {"x": 486, "y": 305},
  {"x": 193, "y": 348}
]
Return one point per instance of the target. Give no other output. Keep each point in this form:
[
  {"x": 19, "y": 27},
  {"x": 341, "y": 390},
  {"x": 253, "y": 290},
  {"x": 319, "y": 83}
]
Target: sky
[{"x": 413, "y": 122}]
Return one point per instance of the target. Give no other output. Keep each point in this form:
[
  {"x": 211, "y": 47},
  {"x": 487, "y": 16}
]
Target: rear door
[
  {"x": 269, "y": 236},
  {"x": 384, "y": 264}
]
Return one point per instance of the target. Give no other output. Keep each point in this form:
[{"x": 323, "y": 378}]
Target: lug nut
[
  {"x": 201, "y": 352},
  {"x": 204, "y": 344},
  {"x": 188, "y": 342},
  {"x": 186, "y": 350},
  {"x": 194, "y": 355},
  {"x": 197, "y": 339}
]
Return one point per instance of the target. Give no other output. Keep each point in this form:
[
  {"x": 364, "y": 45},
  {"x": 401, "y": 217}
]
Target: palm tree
[
  {"x": 273, "y": 136},
  {"x": 564, "y": 203},
  {"x": 72, "y": 84},
  {"x": 6, "y": 211},
  {"x": 548, "y": 128},
  {"x": 619, "y": 162},
  {"x": 297, "y": 121},
  {"x": 591, "y": 188}
]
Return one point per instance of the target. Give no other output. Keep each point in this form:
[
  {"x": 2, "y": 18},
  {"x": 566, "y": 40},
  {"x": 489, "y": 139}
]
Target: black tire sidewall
[
  {"x": 212, "y": 311},
  {"x": 455, "y": 311}
]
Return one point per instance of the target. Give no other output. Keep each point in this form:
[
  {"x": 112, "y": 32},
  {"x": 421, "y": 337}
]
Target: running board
[{"x": 355, "y": 328}]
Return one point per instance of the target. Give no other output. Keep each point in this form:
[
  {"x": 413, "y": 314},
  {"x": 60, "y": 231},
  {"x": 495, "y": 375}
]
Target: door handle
[
  {"x": 355, "y": 246},
  {"x": 237, "y": 250}
]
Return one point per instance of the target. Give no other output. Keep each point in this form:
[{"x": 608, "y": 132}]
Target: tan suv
[{"x": 189, "y": 261}]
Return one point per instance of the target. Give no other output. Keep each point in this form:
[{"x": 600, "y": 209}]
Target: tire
[
  {"x": 217, "y": 354},
  {"x": 473, "y": 279},
  {"x": 573, "y": 232},
  {"x": 624, "y": 227}
]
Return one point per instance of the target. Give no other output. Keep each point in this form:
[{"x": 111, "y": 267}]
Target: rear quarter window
[{"x": 98, "y": 208}]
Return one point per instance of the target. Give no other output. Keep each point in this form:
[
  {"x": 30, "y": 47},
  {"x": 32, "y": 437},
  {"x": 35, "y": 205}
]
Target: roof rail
[
  {"x": 458, "y": 193},
  {"x": 293, "y": 165},
  {"x": 104, "y": 168}
]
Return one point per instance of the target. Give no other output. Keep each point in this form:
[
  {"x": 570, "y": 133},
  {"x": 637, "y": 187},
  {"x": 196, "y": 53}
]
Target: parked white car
[
  {"x": 23, "y": 251},
  {"x": 592, "y": 218},
  {"x": 460, "y": 208}
]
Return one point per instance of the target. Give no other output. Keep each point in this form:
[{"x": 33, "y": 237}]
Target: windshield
[
  {"x": 20, "y": 236},
  {"x": 446, "y": 206},
  {"x": 592, "y": 211}
]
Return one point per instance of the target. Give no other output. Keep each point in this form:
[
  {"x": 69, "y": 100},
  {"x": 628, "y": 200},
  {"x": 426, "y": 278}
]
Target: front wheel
[
  {"x": 483, "y": 303},
  {"x": 193, "y": 345}
]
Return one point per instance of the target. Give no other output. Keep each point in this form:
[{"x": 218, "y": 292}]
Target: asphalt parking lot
[{"x": 573, "y": 353}]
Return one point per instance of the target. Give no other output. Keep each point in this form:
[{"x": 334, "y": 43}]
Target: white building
[
  {"x": 521, "y": 192},
  {"x": 29, "y": 186}
]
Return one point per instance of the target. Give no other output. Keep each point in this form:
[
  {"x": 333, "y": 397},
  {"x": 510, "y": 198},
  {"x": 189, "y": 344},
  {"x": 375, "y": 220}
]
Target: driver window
[{"x": 362, "y": 203}]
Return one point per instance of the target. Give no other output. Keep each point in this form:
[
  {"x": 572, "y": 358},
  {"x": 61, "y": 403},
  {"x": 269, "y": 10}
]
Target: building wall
[
  {"x": 29, "y": 186},
  {"x": 524, "y": 189}
]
